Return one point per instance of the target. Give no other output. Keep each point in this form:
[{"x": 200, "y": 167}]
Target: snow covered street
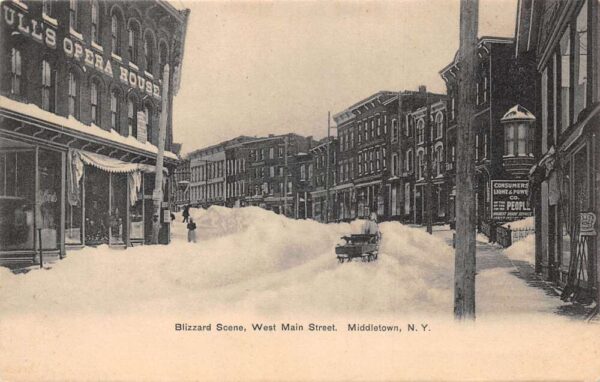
[
  {"x": 251, "y": 264},
  {"x": 253, "y": 261}
]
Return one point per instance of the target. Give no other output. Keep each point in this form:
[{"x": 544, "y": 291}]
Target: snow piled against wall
[
  {"x": 246, "y": 260},
  {"x": 522, "y": 250},
  {"x": 528, "y": 222}
]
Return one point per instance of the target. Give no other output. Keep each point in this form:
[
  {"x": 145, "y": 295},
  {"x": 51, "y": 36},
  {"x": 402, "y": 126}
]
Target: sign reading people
[
  {"x": 75, "y": 48},
  {"x": 510, "y": 200}
]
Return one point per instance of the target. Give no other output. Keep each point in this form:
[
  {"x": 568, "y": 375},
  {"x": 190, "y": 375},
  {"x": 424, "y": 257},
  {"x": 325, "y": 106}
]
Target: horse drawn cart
[{"x": 358, "y": 246}]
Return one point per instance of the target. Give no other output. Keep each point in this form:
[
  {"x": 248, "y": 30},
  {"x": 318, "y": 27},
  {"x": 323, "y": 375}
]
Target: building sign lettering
[
  {"x": 510, "y": 200},
  {"x": 74, "y": 49}
]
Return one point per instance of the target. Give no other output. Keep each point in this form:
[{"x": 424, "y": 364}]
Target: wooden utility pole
[
  {"x": 464, "y": 266},
  {"x": 428, "y": 156},
  {"x": 157, "y": 195},
  {"x": 327, "y": 167}
]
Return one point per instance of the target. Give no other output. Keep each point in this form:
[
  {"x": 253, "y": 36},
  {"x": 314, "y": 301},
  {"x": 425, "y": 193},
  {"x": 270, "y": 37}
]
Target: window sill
[
  {"x": 50, "y": 20},
  {"x": 116, "y": 57},
  {"x": 75, "y": 34},
  {"x": 20, "y": 4},
  {"x": 133, "y": 66},
  {"x": 97, "y": 47},
  {"x": 149, "y": 75}
]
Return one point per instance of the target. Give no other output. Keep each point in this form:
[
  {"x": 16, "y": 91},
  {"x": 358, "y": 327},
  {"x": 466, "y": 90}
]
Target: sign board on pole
[
  {"x": 510, "y": 200},
  {"x": 142, "y": 132},
  {"x": 587, "y": 223}
]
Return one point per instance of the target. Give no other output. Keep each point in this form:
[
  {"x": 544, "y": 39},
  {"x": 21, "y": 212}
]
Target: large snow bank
[
  {"x": 245, "y": 260},
  {"x": 528, "y": 222},
  {"x": 522, "y": 250}
]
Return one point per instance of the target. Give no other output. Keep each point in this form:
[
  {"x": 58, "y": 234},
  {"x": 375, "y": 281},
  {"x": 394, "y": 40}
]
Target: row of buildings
[
  {"x": 536, "y": 128},
  {"x": 80, "y": 97},
  {"x": 392, "y": 153}
]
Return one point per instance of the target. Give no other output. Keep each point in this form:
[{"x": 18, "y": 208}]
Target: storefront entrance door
[{"x": 96, "y": 206}]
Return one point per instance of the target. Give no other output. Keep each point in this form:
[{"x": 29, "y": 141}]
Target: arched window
[
  {"x": 133, "y": 36},
  {"x": 95, "y": 29},
  {"x": 149, "y": 52},
  {"x": 420, "y": 131},
  {"x": 132, "y": 116},
  {"x": 114, "y": 110},
  {"x": 48, "y": 87},
  {"x": 73, "y": 95},
  {"x": 47, "y": 7},
  {"x": 163, "y": 58},
  {"x": 15, "y": 71},
  {"x": 95, "y": 102},
  {"x": 73, "y": 15},
  {"x": 439, "y": 125},
  {"x": 115, "y": 33}
]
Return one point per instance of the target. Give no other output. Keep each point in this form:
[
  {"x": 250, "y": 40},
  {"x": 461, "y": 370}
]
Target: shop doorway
[{"x": 96, "y": 206}]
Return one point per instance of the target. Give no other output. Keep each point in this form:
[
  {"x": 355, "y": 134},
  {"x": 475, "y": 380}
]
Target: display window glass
[
  {"x": 136, "y": 216},
  {"x": 17, "y": 195},
  {"x": 49, "y": 194},
  {"x": 96, "y": 206},
  {"x": 117, "y": 217}
]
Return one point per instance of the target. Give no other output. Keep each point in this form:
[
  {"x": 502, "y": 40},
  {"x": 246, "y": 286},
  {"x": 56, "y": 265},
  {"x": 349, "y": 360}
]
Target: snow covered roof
[
  {"x": 71, "y": 123},
  {"x": 517, "y": 113}
]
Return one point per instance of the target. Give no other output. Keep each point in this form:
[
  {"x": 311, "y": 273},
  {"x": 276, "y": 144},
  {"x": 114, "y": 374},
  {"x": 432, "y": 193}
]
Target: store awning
[{"x": 113, "y": 165}]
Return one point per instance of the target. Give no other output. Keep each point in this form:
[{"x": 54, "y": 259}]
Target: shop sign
[
  {"x": 510, "y": 200},
  {"x": 76, "y": 49},
  {"x": 587, "y": 223}
]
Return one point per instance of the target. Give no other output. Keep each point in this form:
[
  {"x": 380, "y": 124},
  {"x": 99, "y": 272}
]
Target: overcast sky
[{"x": 254, "y": 68}]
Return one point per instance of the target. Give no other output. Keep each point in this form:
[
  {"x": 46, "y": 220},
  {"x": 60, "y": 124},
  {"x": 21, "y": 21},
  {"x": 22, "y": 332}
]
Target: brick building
[
  {"x": 317, "y": 174},
  {"x": 274, "y": 172},
  {"x": 562, "y": 39},
  {"x": 499, "y": 155},
  {"x": 80, "y": 99}
]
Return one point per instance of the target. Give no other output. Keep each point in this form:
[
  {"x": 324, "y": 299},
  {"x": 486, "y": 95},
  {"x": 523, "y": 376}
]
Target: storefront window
[
  {"x": 565, "y": 80},
  {"x": 49, "y": 197},
  {"x": 118, "y": 208},
  {"x": 565, "y": 227},
  {"x": 580, "y": 62},
  {"x": 17, "y": 190},
  {"x": 136, "y": 215},
  {"x": 96, "y": 206},
  {"x": 74, "y": 220}
]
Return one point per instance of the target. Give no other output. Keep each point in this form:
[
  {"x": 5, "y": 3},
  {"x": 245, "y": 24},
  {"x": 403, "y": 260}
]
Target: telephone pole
[
  {"x": 464, "y": 266},
  {"x": 157, "y": 195},
  {"x": 327, "y": 167}
]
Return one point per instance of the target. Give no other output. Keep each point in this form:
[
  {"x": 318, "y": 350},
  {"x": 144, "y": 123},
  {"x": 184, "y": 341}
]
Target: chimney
[{"x": 422, "y": 89}]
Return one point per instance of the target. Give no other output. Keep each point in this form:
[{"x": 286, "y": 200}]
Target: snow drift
[{"x": 246, "y": 260}]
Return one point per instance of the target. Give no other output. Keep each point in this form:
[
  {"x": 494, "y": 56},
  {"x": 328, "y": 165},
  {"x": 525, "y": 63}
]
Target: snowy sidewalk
[{"x": 511, "y": 285}]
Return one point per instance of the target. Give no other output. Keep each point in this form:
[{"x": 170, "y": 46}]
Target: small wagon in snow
[{"x": 358, "y": 246}]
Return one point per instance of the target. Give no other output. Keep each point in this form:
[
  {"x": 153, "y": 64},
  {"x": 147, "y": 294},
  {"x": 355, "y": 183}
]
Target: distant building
[
  {"x": 317, "y": 175},
  {"x": 80, "y": 99},
  {"x": 273, "y": 172},
  {"x": 502, "y": 82}
]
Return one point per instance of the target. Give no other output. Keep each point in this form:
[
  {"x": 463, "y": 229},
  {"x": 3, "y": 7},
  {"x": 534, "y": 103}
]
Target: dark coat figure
[
  {"x": 191, "y": 226},
  {"x": 186, "y": 213}
]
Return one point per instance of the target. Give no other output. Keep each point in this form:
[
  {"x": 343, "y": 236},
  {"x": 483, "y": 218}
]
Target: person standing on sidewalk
[
  {"x": 191, "y": 226},
  {"x": 186, "y": 213}
]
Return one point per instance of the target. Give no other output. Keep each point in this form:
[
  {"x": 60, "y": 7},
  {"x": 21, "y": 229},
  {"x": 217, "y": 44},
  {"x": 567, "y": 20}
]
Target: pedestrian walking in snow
[
  {"x": 191, "y": 226},
  {"x": 186, "y": 213}
]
